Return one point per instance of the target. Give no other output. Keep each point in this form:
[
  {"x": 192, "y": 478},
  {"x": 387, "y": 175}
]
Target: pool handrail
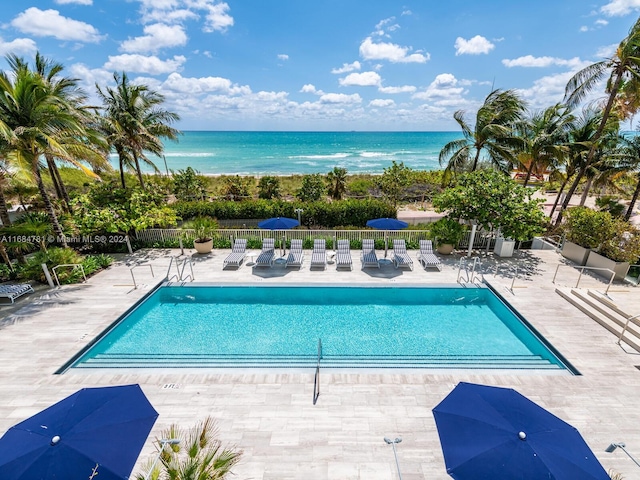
[
  {"x": 316, "y": 379},
  {"x": 74, "y": 265},
  {"x": 626, "y": 326}
]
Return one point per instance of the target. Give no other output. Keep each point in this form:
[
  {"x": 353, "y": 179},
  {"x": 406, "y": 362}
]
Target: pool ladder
[
  {"x": 316, "y": 378},
  {"x": 469, "y": 276},
  {"x": 180, "y": 276}
]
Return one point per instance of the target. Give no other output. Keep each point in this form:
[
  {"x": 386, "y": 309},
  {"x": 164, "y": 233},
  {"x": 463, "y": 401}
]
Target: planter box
[
  {"x": 540, "y": 243},
  {"x": 575, "y": 253},
  {"x": 504, "y": 247},
  {"x": 598, "y": 261}
]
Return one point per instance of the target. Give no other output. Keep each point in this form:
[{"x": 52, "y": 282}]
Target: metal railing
[
  {"x": 133, "y": 277},
  {"x": 316, "y": 379},
  {"x": 626, "y": 326},
  {"x": 582, "y": 269},
  {"x": 74, "y": 265},
  {"x": 463, "y": 264},
  {"x": 190, "y": 276}
]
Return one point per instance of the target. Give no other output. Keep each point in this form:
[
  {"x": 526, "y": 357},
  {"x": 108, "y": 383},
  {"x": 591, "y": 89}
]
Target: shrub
[
  {"x": 312, "y": 189},
  {"x": 188, "y": 185},
  {"x": 237, "y": 187},
  {"x": 587, "y": 227},
  {"x": 446, "y": 231},
  {"x": 269, "y": 187},
  {"x": 32, "y": 270}
]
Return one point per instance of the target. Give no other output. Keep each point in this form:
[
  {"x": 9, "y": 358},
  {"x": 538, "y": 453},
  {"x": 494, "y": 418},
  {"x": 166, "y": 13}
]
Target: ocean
[{"x": 287, "y": 153}]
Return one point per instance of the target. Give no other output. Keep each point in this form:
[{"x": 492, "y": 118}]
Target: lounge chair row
[{"x": 368, "y": 257}]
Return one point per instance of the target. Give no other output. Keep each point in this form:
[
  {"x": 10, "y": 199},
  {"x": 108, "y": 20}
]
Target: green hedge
[{"x": 316, "y": 214}]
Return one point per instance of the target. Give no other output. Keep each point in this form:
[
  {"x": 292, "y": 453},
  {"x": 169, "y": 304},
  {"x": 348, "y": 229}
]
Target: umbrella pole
[{"x": 385, "y": 246}]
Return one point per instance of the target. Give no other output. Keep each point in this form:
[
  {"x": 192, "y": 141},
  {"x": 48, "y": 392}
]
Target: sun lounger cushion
[
  {"x": 267, "y": 255},
  {"x": 296, "y": 255},
  {"x": 238, "y": 253},
  {"x": 343, "y": 255},
  {"x": 368, "y": 255},
  {"x": 319, "y": 254},
  {"x": 400, "y": 256},
  {"x": 426, "y": 256},
  {"x": 14, "y": 291}
]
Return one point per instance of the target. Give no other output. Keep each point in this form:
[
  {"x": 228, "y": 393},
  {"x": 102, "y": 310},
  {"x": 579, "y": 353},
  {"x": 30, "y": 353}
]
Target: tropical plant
[
  {"x": 394, "y": 180},
  {"x": 133, "y": 123},
  {"x": 337, "y": 182},
  {"x": 630, "y": 147},
  {"x": 611, "y": 204},
  {"x": 203, "y": 227},
  {"x": 188, "y": 185},
  {"x": 199, "y": 455},
  {"x": 269, "y": 187},
  {"x": 495, "y": 201},
  {"x": 312, "y": 188},
  {"x": 587, "y": 227},
  {"x": 237, "y": 187},
  {"x": 623, "y": 66},
  {"x": 446, "y": 231},
  {"x": 493, "y": 133}
]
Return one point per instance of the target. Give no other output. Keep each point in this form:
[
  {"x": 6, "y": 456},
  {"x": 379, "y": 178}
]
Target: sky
[{"x": 329, "y": 65}]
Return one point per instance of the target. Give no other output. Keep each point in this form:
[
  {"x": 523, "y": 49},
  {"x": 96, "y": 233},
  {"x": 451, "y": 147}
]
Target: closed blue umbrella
[
  {"x": 279, "y": 223},
  {"x": 95, "y": 431},
  {"x": 498, "y": 434},
  {"x": 386, "y": 224}
]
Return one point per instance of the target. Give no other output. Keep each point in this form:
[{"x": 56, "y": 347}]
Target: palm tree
[
  {"x": 630, "y": 148},
  {"x": 337, "y": 182},
  {"x": 623, "y": 66},
  {"x": 133, "y": 123},
  {"x": 544, "y": 137},
  {"x": 493, "y": 132},
  {"x": 198, "y": 455},
  {"x": 34, "y": 121}
]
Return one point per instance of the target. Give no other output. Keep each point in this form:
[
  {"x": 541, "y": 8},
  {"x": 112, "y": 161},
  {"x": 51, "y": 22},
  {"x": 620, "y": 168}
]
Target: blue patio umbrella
[
  {"x": 498, "y": 434},
  {"x": 95, "y": 431},
  {"x": 279, "y": 223},
  {"x": 386, "y": 224}
]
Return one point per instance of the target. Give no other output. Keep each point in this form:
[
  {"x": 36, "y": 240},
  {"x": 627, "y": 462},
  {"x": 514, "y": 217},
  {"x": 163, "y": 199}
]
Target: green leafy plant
[
  {"x": 204, "y": 227},
  {"x": 337, "y": 182},
  {"x": 312, "y": 189},
  {"x": 447, "y": 231},
  {"x": 269, "y": 187},
  {"x": 237, "y": 187},
  {"x": 188, "y": 185},
  {"x": 394, "y": 180},
  {"x": 587, "y": 227},
  {"x": 609, "y": 203}
]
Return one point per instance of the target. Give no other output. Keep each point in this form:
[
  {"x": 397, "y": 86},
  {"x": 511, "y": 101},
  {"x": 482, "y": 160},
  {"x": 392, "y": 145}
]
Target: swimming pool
[{"x": 281, "y": 326}]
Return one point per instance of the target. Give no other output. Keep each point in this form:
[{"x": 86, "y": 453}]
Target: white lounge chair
[
  {"x": 14, "y": 291},
  {"x": 343, "y": 255},
  {"x": 319, "y": 254},
  {"x": 368, "y": 255},
  {"x": 400, "y": 256},
  {"x": 296, "y": 255},
  {"x": 267, "y": 255},
  {"x": 426, "y": 256},
  {"x": 237, "y": 255}
]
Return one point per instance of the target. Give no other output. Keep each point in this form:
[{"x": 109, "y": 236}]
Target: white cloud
[
  {"x": 607, "y": 51},
  {"x": 584, "y": 28},
  {"x": 390, "y": 51},
  {"x": 191, "y": 85},
  {"x": 474, "y": 46},
  {"x": 217, "y": 18},
  {"x": 601, "y": 21},
  {"x": 168, "y": 16},
  {"x": 283, "y": 56},
  {"x": 444, "y": 90},
  {"x": 340, "y": 98},
  {"x": 379, "y": 102},
  {"x": 139, "y": 63},
  {"x": 407, "y": 12},
  {"x": 394, "y": 90},
  {"x": 364, "y": 79},
  {"x": 77, "y": 2},
  {"x": 18, "y": 46},
  {"x": 49, "y": 23},
  {"x": 347, "y": 67},
  {"x": 157, "y": 37},
  {"x": 308, "y": 88},
  {"x": 618, "y": 8},
  {"x": 531, "y": 61},
  {"x": 547, "y": 90}
]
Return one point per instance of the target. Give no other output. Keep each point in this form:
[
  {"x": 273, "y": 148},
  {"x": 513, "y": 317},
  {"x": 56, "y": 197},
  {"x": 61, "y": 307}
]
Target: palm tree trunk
[
  {"x": 4, "y": 210},
  {"x": 61, "y": 191},
  {"x": 529, "y": 170},
  {"x": 121, "y": 162},
  {"x": 570, "y": 193},
  {"x": 475, "y": 160},
  {"x": 555, "y": 203},
  {"x": 54, "y": 179},
  {"x": 585, "y": 193},
  {"x": 634, "y": 198},
  {"x": 5, "y": 255},
  {"x": 57, "y": 229},
  {"x": 138, "y": 171}
]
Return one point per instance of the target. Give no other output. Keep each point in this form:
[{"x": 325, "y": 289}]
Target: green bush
[
  {"x": 312, "y": 189},
  {"x": 32, "y": 270},
  {"x": 587, "y": 227}
]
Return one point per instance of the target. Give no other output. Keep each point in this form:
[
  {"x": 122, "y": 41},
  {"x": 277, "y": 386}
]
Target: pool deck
[{"x": 270, "y": 415}]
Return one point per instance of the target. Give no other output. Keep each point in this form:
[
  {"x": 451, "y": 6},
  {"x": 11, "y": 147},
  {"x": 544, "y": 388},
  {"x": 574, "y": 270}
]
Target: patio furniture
[
  {"x": 343, "y": 255},
  {"x": 368, "y": 255},
  {"x": 319, "y": 254},
  {"x": 267, "y": 255},
  {"x": 14, "y": 291},
  {"x": 296, "y": 255},
  {"x": 426, "y": 257},
  {"x": 238, "y": 252},
  {"x": 400, "y": 256}
]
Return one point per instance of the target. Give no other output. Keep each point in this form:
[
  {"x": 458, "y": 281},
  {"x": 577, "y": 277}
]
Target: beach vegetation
[
  {"x": 393, "y": 181},
  {"x": 337, "y": 183},
  {"x": 54, "y": 256},
  {"x": 360, "y": 187},
  {"x": 269, "y": 187},
  {"x": 236, "y": 187},
  {"x": 188, "y": 185},
  {"x": 493, "y": 135},
  {"x": 312, "y": 189},
  {"x": 134, "y": 123},
  {"x": 493, "y": 201}
]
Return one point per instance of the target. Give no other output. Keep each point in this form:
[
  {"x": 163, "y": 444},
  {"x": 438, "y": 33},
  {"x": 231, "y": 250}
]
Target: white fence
[{"x": 162, "y": 235}]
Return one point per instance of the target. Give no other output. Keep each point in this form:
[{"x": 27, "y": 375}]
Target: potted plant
[
  {"x": 203, "y": 227},
  {"x": 447, "y": 233},
  {"x": 585, "y": 229}
]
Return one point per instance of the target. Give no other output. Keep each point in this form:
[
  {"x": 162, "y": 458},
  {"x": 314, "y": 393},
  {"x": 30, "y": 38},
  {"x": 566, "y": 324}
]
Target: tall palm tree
[
  {"x": 630, "y": 148},
  {"x": 134, "y": 123},
  {"x": 623, "y": 66},
  {"x": 337, "y": 182},
  {"x": 544, "y": 139},
  {"x": 34, "y": 121},
  {"x": 493, "y": 132}
]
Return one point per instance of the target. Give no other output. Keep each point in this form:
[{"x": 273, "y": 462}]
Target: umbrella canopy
[
  {"x": 498, "y": 434},
  {"x": 278, "y": 223},
  {"x": 387, "y": 224},
  {"x": 95, "y": 430}
]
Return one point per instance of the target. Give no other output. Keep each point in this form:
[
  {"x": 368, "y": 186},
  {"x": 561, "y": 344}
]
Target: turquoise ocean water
[{"x": 286, "y": 153}]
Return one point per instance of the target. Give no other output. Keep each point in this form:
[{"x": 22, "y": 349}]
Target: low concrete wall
[
  {"x": 575, "y": 253},
  {"x": 598, "y": 261}
]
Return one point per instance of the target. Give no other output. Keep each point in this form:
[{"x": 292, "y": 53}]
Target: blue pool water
[{"x": 194, "y": 326}]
